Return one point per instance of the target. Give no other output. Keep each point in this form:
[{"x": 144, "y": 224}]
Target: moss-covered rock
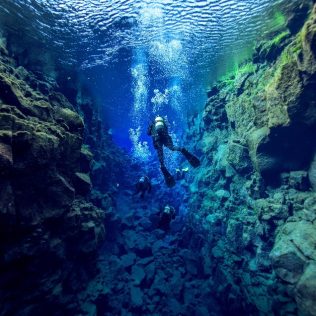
[
  {"x": 305, "y": 291},
  {"x": 271, "y": 49},
  {"x": 43, "y": 170},
  {"x": 260, "y": 241},
  {"x": 276, "y": 114}
]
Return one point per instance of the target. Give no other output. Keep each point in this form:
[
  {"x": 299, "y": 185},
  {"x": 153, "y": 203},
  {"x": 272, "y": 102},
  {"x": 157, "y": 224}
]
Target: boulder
[
  {"x": 238, "y": 157},
  {"x": 90, "y": 235},
  {"x": 70, "y": 119},
  {"x": 150, "y": 271},
  {"x": 82, "y": 183},
  {"x": 128, "y": 259},
  {"x": 305, "y": 291},
  {"x": 299, "y": 180},
  {"x": 85, "y": 159},
  {"x": 234, "y": 234},
  {"x": 138, "y": 274},
  {"x": 59, "y": 196},
  {"x": 271, "y": 210},
  {"x": 312, "y": 173},
  {"x": 310, "y": 204},
  {"x": 6, "y": 159},
  {"x": 190, "y": 260},
  {"x": 136, "y": 296},
  {"x": 222, "y": 194},
  {"x": 295, "y": 246}
]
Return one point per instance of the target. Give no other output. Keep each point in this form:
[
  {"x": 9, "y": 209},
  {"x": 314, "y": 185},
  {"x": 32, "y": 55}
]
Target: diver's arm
[{"x": 166, "y": 128}]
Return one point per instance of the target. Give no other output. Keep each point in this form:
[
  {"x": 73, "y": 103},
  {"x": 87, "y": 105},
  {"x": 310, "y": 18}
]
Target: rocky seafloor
[{"x": 74, "y": 243}]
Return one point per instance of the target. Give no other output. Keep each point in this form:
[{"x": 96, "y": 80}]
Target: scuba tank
[{"x": 159, "y": 124}]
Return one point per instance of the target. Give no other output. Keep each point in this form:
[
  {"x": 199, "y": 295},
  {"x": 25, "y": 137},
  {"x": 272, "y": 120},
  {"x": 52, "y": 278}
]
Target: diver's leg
[
  {"x": 159, "y": 149},
  {"x": 193, "y": 161},
  {"x": 169, "y": 144},
  {"x": 168, "y": 177}
]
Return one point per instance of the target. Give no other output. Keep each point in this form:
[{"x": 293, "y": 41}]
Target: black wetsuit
[
  {"x": 162, "y": 138},
  {"x": 143, "y": 186},
  {"x": 166, "y": 215}
]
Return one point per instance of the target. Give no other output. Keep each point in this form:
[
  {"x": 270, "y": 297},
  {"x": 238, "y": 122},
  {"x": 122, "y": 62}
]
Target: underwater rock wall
[
  {"x": 50, "y": 231},
  {"x": 254, "y": 196},
  {"x": 107, "y": 160}
]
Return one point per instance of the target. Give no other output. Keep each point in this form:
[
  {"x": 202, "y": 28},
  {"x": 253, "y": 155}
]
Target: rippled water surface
[
  {"x": 96, "y": 31},
  {"x": 146, "y": 56}
]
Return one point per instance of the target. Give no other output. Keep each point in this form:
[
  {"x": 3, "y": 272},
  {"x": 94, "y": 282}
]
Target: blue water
[{"x": 142, "y": 58}]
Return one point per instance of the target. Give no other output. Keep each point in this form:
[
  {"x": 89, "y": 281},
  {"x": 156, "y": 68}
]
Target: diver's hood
[
  {"x": 167, "y": 210},
  {"x": 142, "y": 179}
]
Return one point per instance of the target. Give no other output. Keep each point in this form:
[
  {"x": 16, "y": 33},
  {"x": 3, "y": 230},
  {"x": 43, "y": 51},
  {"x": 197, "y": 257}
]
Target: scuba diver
[
  {"x": 143, "y": 185},
  {"x": 158, "y": 130},
  {"x": 166, "y": 215}
]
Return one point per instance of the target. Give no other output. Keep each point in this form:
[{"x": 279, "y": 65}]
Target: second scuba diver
[
  {"x": 142, "y": 186},
  {"x": 158, "y": 130},
  {"x": 166, "y": 215}
]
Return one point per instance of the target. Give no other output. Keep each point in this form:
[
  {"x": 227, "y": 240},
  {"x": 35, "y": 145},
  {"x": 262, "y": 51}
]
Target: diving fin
[
  {"x": 194, "y": 161},
  {"x": 168, "y": 177}
]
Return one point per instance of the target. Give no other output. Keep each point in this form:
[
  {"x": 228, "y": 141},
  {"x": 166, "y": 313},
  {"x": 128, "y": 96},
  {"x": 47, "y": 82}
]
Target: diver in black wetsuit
[
  {"x": 166, "y": 215},
  {"x": 142, "y": 186},
  {"x": 158, "y": 130}
]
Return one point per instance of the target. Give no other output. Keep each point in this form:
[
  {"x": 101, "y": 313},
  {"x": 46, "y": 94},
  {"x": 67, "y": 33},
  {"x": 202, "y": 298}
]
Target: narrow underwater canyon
[{"x": 76, "y": 241}]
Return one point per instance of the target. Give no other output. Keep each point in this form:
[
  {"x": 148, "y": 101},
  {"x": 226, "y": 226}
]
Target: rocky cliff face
[
  {"x": 50, "y": 231},
  {"x": 255, "y": 194}
]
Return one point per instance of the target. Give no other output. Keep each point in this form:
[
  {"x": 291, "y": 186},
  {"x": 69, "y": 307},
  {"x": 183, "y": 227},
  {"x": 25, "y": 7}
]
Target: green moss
[
  {"x": 229, "y": 64},
  {"x": 239, "y": 70},
  {"x": 288, "y": 56},
  {"x": 290, "y": 53},
  {"x": 245, "y": 68},
  {"x": 277, "y": 21},
  {"x": 279, "y": 38},
  {"x": 279, "y": 18},
  {"x": 228, "y": 79}
]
